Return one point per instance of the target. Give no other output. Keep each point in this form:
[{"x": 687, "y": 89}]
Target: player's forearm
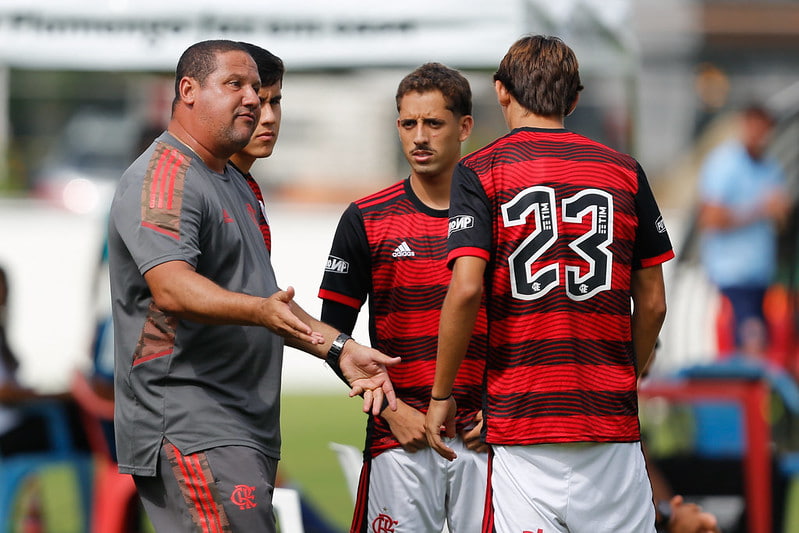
[
  {"x": 394, "y": 416},
  {"x": 328, "y": 332},
  {"x": 180, "y": 291},
  {"x": 649, "y": 311},
  {"x": 458, "y": 316}
]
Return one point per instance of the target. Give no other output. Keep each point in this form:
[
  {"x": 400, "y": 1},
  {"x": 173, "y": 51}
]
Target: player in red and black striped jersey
[
  {"x": 563, "y": 234},
  {"x": 262, "y": 142},
  {"x": 390, "y": 248}
]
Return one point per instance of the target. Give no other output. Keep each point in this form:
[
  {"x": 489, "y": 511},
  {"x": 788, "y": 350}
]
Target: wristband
[
  {"x": 334, "y": 352},
  {"x": 445, "y": 398}
]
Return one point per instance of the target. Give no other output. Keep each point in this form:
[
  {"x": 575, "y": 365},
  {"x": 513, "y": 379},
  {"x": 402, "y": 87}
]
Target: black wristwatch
[{"x": 334, "y": 353}]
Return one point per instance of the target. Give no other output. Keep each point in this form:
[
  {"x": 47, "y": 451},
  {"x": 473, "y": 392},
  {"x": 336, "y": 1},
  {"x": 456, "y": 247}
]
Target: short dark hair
[
  {"x": 270, "y": 67},
  {"x": 542, "y": 74},
  {"x": 199, "y": 60},
  {"x": 438, "y": 77},
  {"x": 759, "y": 111}
]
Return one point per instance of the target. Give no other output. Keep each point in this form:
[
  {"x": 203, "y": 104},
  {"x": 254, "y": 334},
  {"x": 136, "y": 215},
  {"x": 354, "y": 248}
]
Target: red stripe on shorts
[
  {"x": 488, "y": 509},
  {"x": 193, "y": 478}
]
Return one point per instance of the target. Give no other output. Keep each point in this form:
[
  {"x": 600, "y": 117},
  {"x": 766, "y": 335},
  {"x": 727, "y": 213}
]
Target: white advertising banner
[{"x": 149, "y": 35}]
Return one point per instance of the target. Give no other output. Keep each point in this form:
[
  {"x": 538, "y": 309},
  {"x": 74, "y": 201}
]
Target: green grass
[
  {"x": 51, "y": 500},
  {"x": 309, "y": 423}
]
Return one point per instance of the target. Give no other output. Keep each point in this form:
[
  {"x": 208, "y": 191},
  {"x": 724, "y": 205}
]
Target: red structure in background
[
  {"x": 114, "y": 494},
  {"x": 753, "y": 398}
]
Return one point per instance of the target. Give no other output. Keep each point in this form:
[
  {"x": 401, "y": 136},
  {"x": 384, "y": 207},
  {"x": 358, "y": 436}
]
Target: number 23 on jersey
[{"x": 530, "y": 283}]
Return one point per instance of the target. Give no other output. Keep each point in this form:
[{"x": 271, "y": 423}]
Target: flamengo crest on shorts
[
  {"x": 244, "y": 497},
  {"x": 384, "y": 524}
]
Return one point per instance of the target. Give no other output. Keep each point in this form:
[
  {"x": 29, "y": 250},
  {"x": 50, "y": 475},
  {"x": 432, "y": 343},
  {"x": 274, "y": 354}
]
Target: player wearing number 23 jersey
[
  {"x": 564, "y": 221},
  {"x": 563, "y": 239}
]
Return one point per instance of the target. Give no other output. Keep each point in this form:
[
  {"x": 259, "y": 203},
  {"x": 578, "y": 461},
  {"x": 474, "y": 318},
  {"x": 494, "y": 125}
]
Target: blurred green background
[{"x": 309, "y": 423}]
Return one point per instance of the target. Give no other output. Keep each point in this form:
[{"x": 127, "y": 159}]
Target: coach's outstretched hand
[
  {"x": 277, "y": 316},
  {"x": 441, "y": 417},
  {"x": 365, "y": 370}
]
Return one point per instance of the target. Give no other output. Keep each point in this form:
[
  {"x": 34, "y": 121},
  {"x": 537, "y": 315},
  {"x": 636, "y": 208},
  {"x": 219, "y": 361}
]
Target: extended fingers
[
  {"x": 372, "y": 401},
  {"x": 367, "y": 400},
  {"x": 390, "y": 396}
]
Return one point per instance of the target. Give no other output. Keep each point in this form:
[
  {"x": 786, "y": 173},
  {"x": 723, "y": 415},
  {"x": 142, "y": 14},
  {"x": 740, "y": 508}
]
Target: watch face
[{"x": 337, "y": 346}]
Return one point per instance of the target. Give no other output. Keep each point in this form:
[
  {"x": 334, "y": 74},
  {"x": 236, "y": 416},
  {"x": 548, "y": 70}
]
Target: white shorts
[
  {"x": 571, "y": 488},
  {"x": 417, "y": 492}
]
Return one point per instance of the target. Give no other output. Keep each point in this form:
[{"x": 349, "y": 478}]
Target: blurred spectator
[
  {"x": 712, "y": 87},
  {"x": 18, "y": 433},
  {"x": 742, "y": 205},
  {"x": 22, "y": 431}
]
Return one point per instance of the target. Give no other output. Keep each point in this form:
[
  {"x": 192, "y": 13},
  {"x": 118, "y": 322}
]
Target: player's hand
[
  {"x": 472, "y": 438},
  {"x": 690, "y": 518},
  {"x": 365, "y": 370},
  {"x": 407, "y": 426},
  {"x": 277, "y": 317},
  {"x": 441, "y": 417}
]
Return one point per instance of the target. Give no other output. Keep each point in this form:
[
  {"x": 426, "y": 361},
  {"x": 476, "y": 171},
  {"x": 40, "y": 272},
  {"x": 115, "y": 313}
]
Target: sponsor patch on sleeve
[
  {"x": 660, "y": 225},
  {"x": 336, "y": 265},
  {"x": 459, "y": 222}
]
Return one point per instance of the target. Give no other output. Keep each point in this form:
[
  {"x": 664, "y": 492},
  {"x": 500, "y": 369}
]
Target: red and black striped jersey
[
  {"x": 562, "y": 221},
  {"x": 260, "y": 217},
  {"x": 391, "y": 249}
]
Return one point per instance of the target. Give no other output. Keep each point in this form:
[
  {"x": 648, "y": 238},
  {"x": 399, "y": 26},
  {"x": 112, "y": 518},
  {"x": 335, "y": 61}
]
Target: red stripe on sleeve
[
  {"x": 470, "y": 251},
  {"x": 657, "y": 260},
  {"x": 326, "y": 294}
]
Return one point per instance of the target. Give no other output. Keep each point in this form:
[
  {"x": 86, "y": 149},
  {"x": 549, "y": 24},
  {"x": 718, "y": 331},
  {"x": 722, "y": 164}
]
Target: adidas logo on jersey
[{"x": 403, "y": 250}]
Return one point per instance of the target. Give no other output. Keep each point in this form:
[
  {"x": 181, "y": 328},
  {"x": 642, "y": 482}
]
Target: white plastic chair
[
  {"x": 286, "y": 503},
  {"x": 351, "y": 460}
]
